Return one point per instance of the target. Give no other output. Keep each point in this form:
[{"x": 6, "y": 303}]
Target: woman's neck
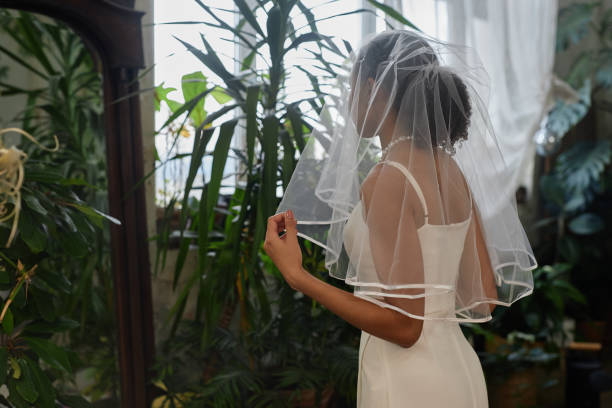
[{"x": 387, "y": 131}]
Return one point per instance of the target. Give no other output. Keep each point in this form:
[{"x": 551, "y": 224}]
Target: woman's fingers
[
  {"x": 276, "y": 225},
  {"x": 285, "y": 250},
  {"x": 291, "y": 225}
]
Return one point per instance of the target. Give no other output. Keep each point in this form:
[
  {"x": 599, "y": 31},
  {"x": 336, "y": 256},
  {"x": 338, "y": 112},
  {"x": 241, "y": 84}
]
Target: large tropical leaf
[
  {"x": 565, "y": 115},
  {"x": 194, "y": 84},
  {"x": 583, "y": 163}
]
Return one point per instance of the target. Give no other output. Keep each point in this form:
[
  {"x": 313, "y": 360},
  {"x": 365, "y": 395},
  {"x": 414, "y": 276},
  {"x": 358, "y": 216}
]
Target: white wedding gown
[{"x": 441, "y": 369}]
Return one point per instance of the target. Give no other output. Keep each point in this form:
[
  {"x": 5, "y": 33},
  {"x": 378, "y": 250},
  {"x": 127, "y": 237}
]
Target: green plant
[
  {"x": 274, "y": 125},
  {"x": 519, "y": 370},
  {"x": 69, "y": 308},
  {"x": 576, "y": 193},
  {"x": 268, "y": 354},
  {"x": 519, "y": 351},
  {"x": 575, "y": 23},
  {"x": 591, "y": 69},
  {"x": 570, "y": 190},
  {"x": 229, "y": 262},
  {"x": 574, "y": 196},
  {"x": 300, "y": 349},
  {"x": 541, "y": 314}
]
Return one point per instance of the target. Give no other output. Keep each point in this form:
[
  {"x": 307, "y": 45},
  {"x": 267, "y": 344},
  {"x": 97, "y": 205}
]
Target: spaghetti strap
[
  {"x": 471, "y": 199},
  {"x": 414, "y": 183},
  {"x": 419, "y": 192},
  {"x": 467, "y": 186}
]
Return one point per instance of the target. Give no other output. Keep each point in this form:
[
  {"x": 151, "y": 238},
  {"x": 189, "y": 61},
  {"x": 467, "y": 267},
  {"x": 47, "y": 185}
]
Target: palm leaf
[
  {"x": 573, "y": 24},
  {"x": 249, "y": 15},
  {"x": 391, "y": 12}
]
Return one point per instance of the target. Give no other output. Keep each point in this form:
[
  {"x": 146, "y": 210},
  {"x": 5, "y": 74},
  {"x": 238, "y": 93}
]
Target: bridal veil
[{"x": 425, "y": 102}]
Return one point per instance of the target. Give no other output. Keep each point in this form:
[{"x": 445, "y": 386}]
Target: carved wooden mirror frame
[{"x": 111, "y": 29}]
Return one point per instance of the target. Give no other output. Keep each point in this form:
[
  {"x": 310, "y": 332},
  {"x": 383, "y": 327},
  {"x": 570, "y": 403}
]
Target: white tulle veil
[{"x": 373, "y": 208}]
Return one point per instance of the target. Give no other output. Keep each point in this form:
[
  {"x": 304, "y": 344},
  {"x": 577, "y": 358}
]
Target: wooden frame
[{"x": 112, "y": 32}]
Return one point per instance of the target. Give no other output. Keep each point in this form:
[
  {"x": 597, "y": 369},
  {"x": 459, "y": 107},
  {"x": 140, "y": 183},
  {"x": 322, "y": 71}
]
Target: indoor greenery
[
  {"x": 61, "y": 320},
  {"x": 587, "y": 27},
  {"x": 576, "y": 194},
  {"x": 574, "y": 218},
  {"x": 283, "y": 342}
]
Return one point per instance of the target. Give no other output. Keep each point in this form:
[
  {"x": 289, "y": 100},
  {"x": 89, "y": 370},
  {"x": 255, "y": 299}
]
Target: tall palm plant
[
  {"x": 232, "y": 272},
  {"x": 275, "y": 128}
]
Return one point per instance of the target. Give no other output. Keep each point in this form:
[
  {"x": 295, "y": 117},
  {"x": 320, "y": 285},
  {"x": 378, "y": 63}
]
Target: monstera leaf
[
  {"x": 565, "y": 115},
  {"x": 576, "y": 179},
  {"x": 581, "y": 167}
]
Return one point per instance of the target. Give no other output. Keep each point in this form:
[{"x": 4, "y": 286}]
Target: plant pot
[
  {"x": 517, "y": 389},
  {"x": 492, "y": 344},
  {"x": 517, "y": 383},
  {"x": 307, "y": 398},
  {"x": 591, "y": 331}
]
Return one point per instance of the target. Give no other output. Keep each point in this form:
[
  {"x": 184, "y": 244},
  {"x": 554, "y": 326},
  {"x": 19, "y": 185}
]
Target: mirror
[{"x": 82, "y": 227}]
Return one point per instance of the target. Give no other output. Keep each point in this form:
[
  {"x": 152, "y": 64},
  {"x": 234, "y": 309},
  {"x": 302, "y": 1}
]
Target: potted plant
[
  {"x": 576, "y": 187},
  {"x": 513, "y": 369},
  {"x": 65, "y": 306},
  {"x": 522, "y": 345},
  {"x": 260, "y": 343}
]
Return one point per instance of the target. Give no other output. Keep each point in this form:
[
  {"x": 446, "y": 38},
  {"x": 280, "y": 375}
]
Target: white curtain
[{"x": 515, "y": 40}]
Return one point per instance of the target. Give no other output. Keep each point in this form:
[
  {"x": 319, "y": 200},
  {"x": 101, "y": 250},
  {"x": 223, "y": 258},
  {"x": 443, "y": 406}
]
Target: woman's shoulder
[
  {"x": 383, "y": 176},
  {"x": 385, "y": 181}
]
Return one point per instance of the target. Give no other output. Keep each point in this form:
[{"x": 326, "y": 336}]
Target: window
[{"x": 172, "y": 61}]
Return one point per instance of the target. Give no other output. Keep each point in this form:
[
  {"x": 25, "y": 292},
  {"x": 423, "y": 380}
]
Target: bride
[{"x": 400, "y": 182}]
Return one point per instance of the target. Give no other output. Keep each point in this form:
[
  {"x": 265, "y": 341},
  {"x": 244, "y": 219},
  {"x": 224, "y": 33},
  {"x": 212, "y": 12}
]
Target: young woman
[{"x": 400, "y": 183}]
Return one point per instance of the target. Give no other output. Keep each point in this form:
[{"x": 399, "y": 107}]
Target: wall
[{"x": 161, "y": 284}]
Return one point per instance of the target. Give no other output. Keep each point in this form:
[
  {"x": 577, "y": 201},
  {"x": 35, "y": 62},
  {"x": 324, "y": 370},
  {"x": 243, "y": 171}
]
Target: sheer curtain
[{"x": 515, "y": 40}]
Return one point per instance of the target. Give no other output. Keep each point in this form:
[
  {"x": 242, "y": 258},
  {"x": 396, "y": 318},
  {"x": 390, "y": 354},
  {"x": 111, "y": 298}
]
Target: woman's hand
[
  {"x": 285, "y": 251},
  {"x": 382, "y": 322}
]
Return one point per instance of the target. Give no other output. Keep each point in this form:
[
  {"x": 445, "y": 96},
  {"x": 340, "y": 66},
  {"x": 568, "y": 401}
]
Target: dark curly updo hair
[{"x": 419, "y": 61}]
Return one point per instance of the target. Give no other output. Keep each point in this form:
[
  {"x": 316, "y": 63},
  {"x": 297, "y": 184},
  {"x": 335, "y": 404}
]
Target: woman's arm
[
  {"x": 393, "y": 239},
  {"x": 486, "y": 270},
  {"x": 381, "y": 322}
]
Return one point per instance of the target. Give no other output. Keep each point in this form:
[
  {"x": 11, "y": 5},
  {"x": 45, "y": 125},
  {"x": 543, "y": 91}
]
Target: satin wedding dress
[{"x": 441, "y": 369}]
